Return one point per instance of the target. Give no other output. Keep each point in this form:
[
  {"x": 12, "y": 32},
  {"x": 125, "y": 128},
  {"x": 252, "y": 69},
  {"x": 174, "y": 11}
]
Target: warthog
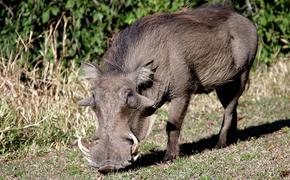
[{"x": 166, "y": 58}]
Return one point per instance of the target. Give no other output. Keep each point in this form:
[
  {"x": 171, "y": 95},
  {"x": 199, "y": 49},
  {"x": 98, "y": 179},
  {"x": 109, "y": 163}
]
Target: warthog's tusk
[
  {"x": 91, "y": 163},
  {"x": 135, "y": 143},
  {"x": 136, "y": 157},
  {"x": 83, "y": 148},
  {"x": 88, "y": 159}
]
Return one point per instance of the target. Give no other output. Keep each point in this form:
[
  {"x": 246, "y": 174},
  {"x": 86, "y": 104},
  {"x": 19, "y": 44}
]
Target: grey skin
[{"x": 166, "y": 58}]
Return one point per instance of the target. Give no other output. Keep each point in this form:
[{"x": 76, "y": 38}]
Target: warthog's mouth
[{"x": 87, "y": 155}]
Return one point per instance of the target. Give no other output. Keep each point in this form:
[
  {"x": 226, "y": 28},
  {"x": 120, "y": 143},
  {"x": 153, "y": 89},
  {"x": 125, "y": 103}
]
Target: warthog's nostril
[
  {"x": 109, "y": 166},
  {"x": 106, "y": 169}
]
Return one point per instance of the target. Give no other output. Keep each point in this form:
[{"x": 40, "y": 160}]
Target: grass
[{"x": 39, "y": 123}]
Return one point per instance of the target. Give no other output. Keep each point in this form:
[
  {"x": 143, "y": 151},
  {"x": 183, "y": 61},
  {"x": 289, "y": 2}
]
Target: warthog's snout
[
  {"x": 108, "y": 160},
  {"x": 107, "y": 168}
]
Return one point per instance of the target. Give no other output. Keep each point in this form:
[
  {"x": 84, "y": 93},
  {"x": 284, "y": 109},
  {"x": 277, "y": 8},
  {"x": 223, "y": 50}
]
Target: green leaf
[
  {"x": 98, "y": 16},
  {"x": 70, "y": 4},
  {"x": 129, "y": 19},
  {"x": 45, "y": 16},
  {"x": 54, "y": 10}
]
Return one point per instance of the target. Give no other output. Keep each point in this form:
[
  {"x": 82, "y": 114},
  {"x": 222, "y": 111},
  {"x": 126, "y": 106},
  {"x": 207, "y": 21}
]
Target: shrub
[{"x": 81, "y": 29}]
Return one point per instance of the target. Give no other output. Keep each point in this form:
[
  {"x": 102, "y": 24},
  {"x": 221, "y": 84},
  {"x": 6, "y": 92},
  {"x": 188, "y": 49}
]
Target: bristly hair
[{"x": 116, "y": 55}]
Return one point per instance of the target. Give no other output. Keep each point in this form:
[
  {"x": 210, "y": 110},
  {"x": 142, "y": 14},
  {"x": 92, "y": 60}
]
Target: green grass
[{"x": 262, "y": 151}]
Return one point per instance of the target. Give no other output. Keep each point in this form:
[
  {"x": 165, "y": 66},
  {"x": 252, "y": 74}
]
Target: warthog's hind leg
[{"x": 228, "y": 95}]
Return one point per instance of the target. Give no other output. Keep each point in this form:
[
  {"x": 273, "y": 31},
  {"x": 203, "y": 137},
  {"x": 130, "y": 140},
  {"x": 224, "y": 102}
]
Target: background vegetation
[
  {"x": 42, "y": 43},
  {"x": 81, "y": 29}
]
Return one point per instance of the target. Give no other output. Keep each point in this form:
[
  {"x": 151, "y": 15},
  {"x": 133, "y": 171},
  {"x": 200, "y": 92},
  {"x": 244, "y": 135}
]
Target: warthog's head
[{"x": 121, "y": 112}]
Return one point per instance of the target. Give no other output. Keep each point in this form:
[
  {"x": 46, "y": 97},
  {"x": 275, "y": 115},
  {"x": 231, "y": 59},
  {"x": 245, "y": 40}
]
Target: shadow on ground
[{"x": 186, "y": 149}]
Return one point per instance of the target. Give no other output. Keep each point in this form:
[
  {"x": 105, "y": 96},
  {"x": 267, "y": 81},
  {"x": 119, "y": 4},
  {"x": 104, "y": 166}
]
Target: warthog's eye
[
  {"x": 93, "y": 97},
  {"x": 96, "y": 98}
]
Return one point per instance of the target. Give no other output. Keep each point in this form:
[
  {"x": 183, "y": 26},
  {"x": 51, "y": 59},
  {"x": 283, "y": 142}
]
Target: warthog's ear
[
  {"x": 90, "y": 72},
  {"x": 87, "y": 102},
  {"x": 143, "y": 76}
]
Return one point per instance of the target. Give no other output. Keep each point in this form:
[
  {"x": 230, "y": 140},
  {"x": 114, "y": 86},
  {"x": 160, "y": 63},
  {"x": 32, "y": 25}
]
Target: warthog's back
[{"x": 195, "y": 49}]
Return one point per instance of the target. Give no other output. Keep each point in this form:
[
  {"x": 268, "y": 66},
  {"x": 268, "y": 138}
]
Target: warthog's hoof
[
  {"x": 170, "y": 157},
  {"x": 220, "y": 145}
]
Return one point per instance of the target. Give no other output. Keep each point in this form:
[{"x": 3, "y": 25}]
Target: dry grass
[
  {"x": 271, "y": 81},
  {"x": 38, "y": 105}
]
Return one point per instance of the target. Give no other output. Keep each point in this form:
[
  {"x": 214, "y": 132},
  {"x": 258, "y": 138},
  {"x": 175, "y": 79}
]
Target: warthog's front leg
[{"x": 177, "y": 112}]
